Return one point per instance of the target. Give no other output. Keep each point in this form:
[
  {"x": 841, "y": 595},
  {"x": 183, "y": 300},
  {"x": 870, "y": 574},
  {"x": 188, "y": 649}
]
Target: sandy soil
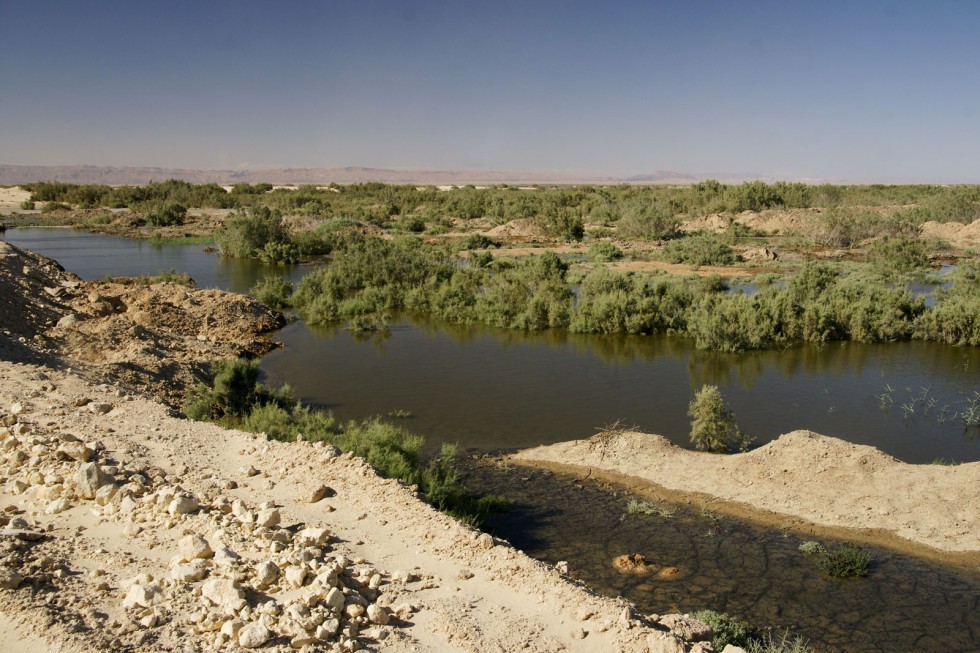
[
  {"x": 11, "y": 197},
  {"x": 99, "y": 561},
  {"x": 800, "y": 475}
]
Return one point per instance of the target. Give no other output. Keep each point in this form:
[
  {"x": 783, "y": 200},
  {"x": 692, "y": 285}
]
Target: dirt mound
[
  {"x": 155, "y": 338},
  {"x": 963, "y": 236},
  {"x": 802, "y": 474},
  {"x": 518, "y": 231}
]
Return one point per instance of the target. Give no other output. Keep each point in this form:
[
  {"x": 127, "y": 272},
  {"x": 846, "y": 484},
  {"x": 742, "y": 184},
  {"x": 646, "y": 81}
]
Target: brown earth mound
[{"x": 156, "y": 338}]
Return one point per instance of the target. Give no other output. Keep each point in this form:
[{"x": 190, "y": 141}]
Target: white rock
[
  {"x": 663, "y": 643},
  {"x": 312, "y": 537},
  {"x": 231, "y": 628},
  {"x": 76, "y": 451},
  {"x": 99, "y": 408},
  {"x": 268, "y": 518},
  {"x": 335, "y": 599},
  {"x": 183, "y": 505},
  {"x": 731, "y": 648},
  {"x": 295, "y": 576},
  {"x": 377, "y": 614},
  {"x": 103, "y": 496},
  {"x": 192, "y": 547},
  {"x": 190, "y": 572},
  {"x": 128, "y": 505},
  {"x": 224, "y": 592},
  {"x": 225, "y": 557},
  {"x": 143, "y": 595},
  {"x": 57, "y": 506},
  {"x": 16, "y": 408},
  {"x": 253, "y": 635},
  {"x": 266, "y": 573},
  {"x": 328, "y": 629},
  {"x": 89, "y": 479}
]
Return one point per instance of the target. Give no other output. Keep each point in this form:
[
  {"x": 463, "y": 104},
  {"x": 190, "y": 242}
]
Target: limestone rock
[
  {"x": 183, "y": 505},
  {"x": 253, "y": 635},
  {"x": 312, "y": 537},
  {"x": 192, "y": 547},
  {"x": 224, "y": 592},
  {"x": 664, "y": 643},
  {"x": 731, "y": 648},
  {"x": 377, "y": 614},
  {"x": 90, "y": 479},
  {"x": 268, "y": 518},
  {"x": 143, "y": 595},
  {"x": 57, "y": 506},
  {"x": 266, "y": 573},
  {"x": 9, "y": 578},
  {"x": 320, "y": 493},
  {"x": 295, "y": 576},
  {"x": 99, "y": 408},
  {"x": 104, "y": 495},
  {"x": 190, "y": 572},
  {"x": 76, "y": 451},
  {"x": 335, "y": 599}
]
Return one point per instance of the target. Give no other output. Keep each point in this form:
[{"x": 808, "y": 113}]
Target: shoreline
[{"x": 928, "y": 510}]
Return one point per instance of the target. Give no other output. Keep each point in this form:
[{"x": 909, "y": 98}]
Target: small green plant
[
  {"x": 785, "y": 644},
  {"x": 638, "y": 507},
  {"x": 604, "y": 251},
  {"x": 27, "y": 205},
  {"x": 811, "y": 548},
  {"x": 273, "y": 291},
  {"x": 845, "y": 561},
  {"x": 713, "y": 426},
  {"x": 698, "y": 249},
  {"x": 478, "y": 241},
  {"x": 400, "y": 413},
  {"x": 946, "y": 462},
  {"x": 728, "y": 629},
  {"x": 51, "y": 207}
]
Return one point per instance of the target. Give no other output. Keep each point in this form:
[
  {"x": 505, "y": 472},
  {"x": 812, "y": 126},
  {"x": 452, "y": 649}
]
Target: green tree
[{"x": 713, "y": 426}]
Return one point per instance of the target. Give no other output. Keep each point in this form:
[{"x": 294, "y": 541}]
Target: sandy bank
[{"x": 802, "y": 475}]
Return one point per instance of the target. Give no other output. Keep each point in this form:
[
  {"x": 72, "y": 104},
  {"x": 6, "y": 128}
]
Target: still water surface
[{"x": 490, "y": 388}]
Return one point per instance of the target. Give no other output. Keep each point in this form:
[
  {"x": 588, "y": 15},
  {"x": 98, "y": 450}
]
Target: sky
[{"x": 858, "y": 90}]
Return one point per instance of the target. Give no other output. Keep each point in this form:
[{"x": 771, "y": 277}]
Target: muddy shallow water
[{"x": 702, "y": 559}]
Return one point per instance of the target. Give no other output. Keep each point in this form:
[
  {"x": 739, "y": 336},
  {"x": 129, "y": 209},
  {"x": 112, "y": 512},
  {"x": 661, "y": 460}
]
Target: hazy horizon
[{"x": 867, "y": 91}]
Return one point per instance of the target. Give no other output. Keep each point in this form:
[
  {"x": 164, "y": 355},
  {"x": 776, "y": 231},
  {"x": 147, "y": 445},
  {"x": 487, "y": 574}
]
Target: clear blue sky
[{"x": 854, "y": 90}]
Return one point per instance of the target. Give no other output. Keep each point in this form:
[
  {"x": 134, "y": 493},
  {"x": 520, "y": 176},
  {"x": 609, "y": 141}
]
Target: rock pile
[{"x": 237, "y": 575}]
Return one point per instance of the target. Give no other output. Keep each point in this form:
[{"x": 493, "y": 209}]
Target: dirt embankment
[
  {"x": 123, "y": 528},
  {"x": 153, "y": 338},
  {"x": 800, "y": 475}
]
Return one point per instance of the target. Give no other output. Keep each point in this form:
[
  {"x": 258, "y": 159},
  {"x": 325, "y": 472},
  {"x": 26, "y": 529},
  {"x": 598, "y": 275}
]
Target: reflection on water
[
  {"x": 729, "y": 565},
  {"x": 491, "y": 388}
]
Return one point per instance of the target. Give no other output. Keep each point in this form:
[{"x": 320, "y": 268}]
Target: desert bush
[
  {"x": 697, "y": 249},
  {"x": 713, "y": 426},
  {"x": 234, "y": 391},
  {"x": 648, "y": 220},
  {"x": 273, "y": 290},
  {"x": 51, "y": 207},
  {"x": 894, "y": 255},
  {"x": 247, "y": 232},
  {"x": 27, "y": 205},
  {"x": 955, "y": 318},
  {"x": 727, "y": 629},
  {"x": 602, "y": 252},
  {"x": 278, "y": 253},
  {"x": 478, "y": 241},
  {"x": 166, "y": 215},
  {"x": 561, "y": 222}
]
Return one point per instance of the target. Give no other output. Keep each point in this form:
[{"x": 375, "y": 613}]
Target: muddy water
[{"x": 705, "y": 560}]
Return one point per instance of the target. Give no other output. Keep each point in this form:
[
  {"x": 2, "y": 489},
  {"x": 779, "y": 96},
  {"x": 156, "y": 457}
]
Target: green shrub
[
  {"x": 234, "y": 391},
  {"x": 478, "y": 241},
  {"x": 561, "y": 222},
  {"x": 727, "y": 629},
  {"x": 27, "y": 205},
  {"x": 602, "y": 252},
  {"x": 898, "y": 254},
  {"x": 246, "y": 233},
  {"x": 846, "y": 561},
  {"x": 649, "y": 221},
  {"x": 166, "y": 215},
  {"x": 713, "y": 426},
  {"x": 697, "y": 249},
  {"x": 811, "y": 548},
  {"x": 51, "y": 207},
  {"x": 273, "y": 290}
]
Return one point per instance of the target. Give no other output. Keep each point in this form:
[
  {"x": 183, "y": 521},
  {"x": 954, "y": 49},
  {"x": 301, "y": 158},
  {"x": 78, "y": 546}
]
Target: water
[
  {"x": 491, "y": 388},
  {"x": 733, "y": 566}
]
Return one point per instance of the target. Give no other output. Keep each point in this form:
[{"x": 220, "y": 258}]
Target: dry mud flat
[{"x": 800, "y": 475}]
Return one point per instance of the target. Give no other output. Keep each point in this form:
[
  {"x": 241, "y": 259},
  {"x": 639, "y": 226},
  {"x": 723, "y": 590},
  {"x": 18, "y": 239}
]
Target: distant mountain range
[{"x": 114, "y": 176}]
